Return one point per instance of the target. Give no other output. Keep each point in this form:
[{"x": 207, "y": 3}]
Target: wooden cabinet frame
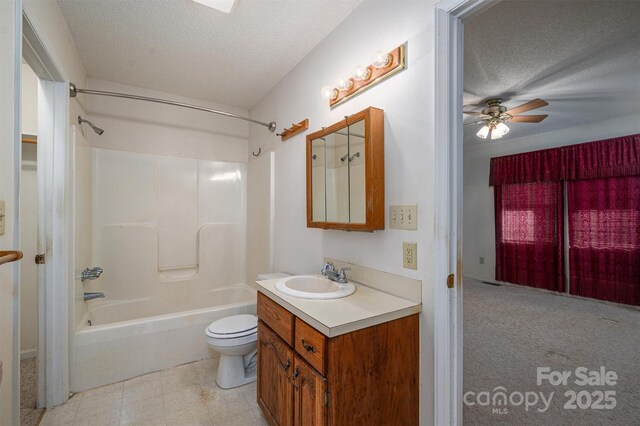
[
  {"x": 374, "y": 171},
  {"x": 369, "y": 377}
]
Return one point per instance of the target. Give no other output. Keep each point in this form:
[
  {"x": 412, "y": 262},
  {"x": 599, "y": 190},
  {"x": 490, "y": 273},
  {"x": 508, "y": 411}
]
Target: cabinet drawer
[
  {"x": 275, "y": 316},
  {"x": 311, "y": 345}
]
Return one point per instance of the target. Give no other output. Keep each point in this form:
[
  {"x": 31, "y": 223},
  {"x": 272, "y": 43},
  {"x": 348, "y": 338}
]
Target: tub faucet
[
  {"x": 93, "y": 295},
  {"x": 90, "y": 273},
  {"x": 330, "y": 272}
]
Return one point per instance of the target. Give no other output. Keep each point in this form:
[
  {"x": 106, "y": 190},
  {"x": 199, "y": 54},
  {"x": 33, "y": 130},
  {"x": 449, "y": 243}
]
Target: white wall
[
  {"x": 479, "y": 225},
  {"x": 407, "y": 100},
  {"x": 29, "y": 94},
  {"x": 144, "y": 127}
]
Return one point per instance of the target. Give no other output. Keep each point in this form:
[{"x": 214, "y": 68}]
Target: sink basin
[{"x": 314, "y": 287}]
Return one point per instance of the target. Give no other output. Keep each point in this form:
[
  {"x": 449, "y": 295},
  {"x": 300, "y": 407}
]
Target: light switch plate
[
  {"x": 2, "y": 217},
  {"x": 410, "y": 255},
  {"x": 403, "y": 216}
]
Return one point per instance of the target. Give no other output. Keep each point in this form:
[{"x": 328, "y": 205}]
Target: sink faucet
[{"x": 330, "y": 272}]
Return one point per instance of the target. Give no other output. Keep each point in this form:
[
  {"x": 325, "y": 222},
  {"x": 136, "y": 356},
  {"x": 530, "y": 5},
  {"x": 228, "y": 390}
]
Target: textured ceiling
[
  {"x": 185, "y": 48},
  {"x": 583, "y": 57}
]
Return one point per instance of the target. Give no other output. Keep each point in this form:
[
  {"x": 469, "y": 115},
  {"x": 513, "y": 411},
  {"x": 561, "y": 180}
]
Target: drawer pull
[
  {"x": 295, "y": 374},
  {"x": 307, "y": 346},
  {"x": 287, "y": 365}
]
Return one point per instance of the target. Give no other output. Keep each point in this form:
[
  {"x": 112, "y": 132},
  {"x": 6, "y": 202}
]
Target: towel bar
[{"x": 9, "y": 256}]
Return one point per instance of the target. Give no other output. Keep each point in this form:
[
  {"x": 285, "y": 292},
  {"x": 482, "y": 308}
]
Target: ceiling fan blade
[
  {"x": 473, "y": 122},
  {"x": 528, "y": 106},
  {"x": 528, "y": 118},
  {"x": 473, "y": 113}
]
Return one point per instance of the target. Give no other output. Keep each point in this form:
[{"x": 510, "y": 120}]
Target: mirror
[{"x": 345, "y": 174}]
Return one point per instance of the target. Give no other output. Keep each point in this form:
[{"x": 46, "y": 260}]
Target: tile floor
[
  {"x": 183, "y": 395},
  {"x": 29, "y": 415}
]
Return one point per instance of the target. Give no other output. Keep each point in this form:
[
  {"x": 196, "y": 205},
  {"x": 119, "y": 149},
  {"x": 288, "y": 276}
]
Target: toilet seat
[{"x": 233, "y": 330}]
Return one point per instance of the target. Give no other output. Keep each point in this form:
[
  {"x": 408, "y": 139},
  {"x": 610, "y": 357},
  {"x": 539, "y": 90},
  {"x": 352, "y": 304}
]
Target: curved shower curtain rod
[{"x": 73, "y": 91}]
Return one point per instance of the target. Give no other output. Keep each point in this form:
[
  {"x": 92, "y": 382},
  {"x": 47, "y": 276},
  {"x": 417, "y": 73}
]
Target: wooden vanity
[{"x": 368, "y": 376}]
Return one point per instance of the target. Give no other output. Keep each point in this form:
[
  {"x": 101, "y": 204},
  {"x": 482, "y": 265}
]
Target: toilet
[{"x": 235, "y": 339}]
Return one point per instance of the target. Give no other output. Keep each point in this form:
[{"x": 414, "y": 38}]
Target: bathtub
[{"x": 134, "y": 337}]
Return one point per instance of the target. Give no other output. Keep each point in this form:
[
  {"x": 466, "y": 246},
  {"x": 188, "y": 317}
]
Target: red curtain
[
  {"x": 529, "y": 234},
  {"x": 601, "y": 159},
  {"x": 604, "y": 238}
]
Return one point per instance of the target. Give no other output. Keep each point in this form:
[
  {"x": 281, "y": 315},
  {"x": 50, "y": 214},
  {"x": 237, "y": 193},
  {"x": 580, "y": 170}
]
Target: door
[
  {"x": 275, "y": 387},
  {"x": 10, "y": 63},
  {"x": 310, "y": 398}
]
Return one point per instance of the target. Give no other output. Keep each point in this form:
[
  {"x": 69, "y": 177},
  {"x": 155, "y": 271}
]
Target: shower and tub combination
[{"x": 169, "y": 234}]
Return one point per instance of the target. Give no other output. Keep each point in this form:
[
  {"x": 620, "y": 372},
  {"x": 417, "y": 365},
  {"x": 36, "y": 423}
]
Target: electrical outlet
[
  {"x": 482, "y": 260},
  {"x": 2, "y": 217},
  {"x": 404, "y": 216},
  {"x": 410, "y": 255}
]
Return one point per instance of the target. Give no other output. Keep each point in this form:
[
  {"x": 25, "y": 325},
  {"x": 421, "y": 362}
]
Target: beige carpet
[
  {"x": 509, "y": 331},
  {"x": 29, "y": 415}
]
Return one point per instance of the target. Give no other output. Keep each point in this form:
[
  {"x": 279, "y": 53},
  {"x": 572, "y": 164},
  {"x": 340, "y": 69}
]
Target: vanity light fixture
[
  {"x": 345, "y": 84},
  {"x": 329, "y": 93},
  {"x": 383, "y": 65},
  {"x": 361, "y": 73},
  {"x": 381, "y": 59}
]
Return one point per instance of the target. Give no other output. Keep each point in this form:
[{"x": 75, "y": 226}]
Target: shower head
[{"x": 95, "y": 128}]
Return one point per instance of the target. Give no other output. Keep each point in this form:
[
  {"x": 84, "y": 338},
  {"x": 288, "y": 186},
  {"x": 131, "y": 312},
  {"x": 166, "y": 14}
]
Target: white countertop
[{"x": 364, "y": 308}]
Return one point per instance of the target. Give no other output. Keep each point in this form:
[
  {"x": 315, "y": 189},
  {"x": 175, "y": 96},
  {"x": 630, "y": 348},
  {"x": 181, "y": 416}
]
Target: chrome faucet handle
[
  {"x": 342, "y": 276},
  {"x": 327, "y": 267}
]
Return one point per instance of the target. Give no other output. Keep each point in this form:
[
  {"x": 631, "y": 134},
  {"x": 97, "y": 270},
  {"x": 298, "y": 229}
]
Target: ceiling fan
[{"x": 494, "y": 117}]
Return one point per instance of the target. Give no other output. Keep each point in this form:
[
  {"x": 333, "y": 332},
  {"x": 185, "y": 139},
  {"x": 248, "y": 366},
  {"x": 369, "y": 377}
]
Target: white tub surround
[
  {"x": 364, "y": 308},
  {"x": 124, "y": 341}
]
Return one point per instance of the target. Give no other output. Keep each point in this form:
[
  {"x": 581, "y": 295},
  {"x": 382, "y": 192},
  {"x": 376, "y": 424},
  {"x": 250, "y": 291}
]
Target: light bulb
[
  {"x": 345, "y": 84},
  {"x": 361, "y": 73},
  {"x": 483, "y": 132},
  {"x": 499, "y": 131},
  {"x": 380, "y": 59},
  {"x": 328, "y": 93}
]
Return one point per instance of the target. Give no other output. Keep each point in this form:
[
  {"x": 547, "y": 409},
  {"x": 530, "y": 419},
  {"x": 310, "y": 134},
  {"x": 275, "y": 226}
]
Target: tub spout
[{"x": 93, "y": 295}]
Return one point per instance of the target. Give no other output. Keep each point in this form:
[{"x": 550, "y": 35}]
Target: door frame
[
  {"x": 10, "y": 161},
  {"x": 55, "y": 277},
  {"x": 448, "y": 151}
]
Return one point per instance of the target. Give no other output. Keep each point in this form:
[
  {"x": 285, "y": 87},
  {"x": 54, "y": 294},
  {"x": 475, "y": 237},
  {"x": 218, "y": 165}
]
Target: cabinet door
[
  {"x": 309, "y": 407},
  {"x": 275, "y": 387}
]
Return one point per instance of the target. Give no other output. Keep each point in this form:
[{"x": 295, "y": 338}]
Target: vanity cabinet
[{"x": 368, "y": 376}]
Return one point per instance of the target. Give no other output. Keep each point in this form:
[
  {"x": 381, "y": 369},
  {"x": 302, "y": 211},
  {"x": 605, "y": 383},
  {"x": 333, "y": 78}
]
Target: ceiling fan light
[
  {"x": 499, "y": 131},
  {"x": 483, "y": 132}
]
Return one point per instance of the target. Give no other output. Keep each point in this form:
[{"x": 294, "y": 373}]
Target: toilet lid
[{"x": 233, "y": 326}]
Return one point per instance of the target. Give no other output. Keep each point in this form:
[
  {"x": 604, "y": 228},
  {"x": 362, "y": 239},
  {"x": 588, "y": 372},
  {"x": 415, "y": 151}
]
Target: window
[{"x": 529, "y": 234}]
